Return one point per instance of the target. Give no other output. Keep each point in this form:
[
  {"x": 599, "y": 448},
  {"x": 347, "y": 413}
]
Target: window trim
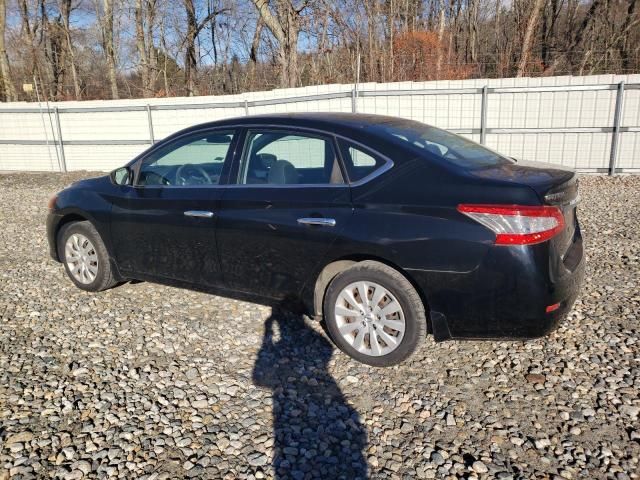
[
  {"x": 319, "y": 134},
  {"x": 385, "y": 167},
  {"x": 233, "y": 162},
  {"x": 137, "y": 162}
]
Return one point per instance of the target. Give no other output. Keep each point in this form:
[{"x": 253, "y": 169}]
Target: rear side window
[
  {"x": 281, "y": 157},
  {"x": 358, "y": 162}
]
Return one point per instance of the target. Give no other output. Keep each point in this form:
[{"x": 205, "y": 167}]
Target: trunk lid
[{"x": 542, "y": 177}]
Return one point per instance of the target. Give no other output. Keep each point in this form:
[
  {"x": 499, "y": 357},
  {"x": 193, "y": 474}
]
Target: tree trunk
[
  {"x": 65, "y": 11},
  {"x": 390, "y": 21},
  {"x": 152, "y": 54},
  {"x": 472, "y": 35},
  {"x": 441, "y": 17},
  {"x": 528, "y": 36},
  {"x": 455, "y": 7},
  {"x": 372, "y": 41},
  {"x": 26, "y": 30},
  {"x": 165, "y": 50},
  {"x": 5, "y": 73},
  {"x": 47, "y": 46},
  {"x": 141, "y": 46},
  {"x": 623, "y": 39},
  {"x": 578, "y": 39},
  {"x": 214, "y": 41},
  {"x": 497, "y": 38},
  {"x": 253, "y": 53},
  {"x": 190, "y": 61},
  {"x": 285, "y": 27},
  {"x": 291, "y": 47},
  {"x": 108, "y": 45}
]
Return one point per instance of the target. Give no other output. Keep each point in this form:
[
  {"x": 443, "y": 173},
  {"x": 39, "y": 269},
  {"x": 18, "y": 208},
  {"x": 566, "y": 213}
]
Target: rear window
[{"x": 453, "y": 148}]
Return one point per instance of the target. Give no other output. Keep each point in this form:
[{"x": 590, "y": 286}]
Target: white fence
[{"x": 588, "y": 123}]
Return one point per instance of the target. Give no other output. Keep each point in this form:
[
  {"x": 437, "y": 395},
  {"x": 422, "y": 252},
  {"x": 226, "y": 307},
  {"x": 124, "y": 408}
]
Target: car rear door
[
  {"x": 285, "y": 206},
  {"x": 163, "y": 226}
]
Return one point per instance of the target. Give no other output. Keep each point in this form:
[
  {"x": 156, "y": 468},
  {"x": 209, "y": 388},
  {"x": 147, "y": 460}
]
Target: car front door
[
  {"x": 286, "y": 203},
  {"x": 163, "y": 226}
]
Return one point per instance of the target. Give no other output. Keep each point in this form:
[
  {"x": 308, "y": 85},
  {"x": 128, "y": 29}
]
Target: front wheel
[
  {"x": 85, "y": 257},
  {"x": 374, "y": 314}
]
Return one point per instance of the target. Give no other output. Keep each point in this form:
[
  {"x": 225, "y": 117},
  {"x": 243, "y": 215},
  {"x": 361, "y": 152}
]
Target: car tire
[
  {"x": 389, "y": 332},
  {"x": 85, "y": 257}
]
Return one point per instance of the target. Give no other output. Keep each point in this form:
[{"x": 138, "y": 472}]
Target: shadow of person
[{"x": 316, "y": 433}]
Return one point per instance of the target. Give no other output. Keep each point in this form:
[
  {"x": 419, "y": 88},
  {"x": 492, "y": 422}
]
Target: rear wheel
[
  {"x": 85, "y": 257},
  {"x": 374, "y": 314}
]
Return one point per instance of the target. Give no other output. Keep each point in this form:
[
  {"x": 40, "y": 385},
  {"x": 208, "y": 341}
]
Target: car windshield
[{"x": 451, "y": 147}]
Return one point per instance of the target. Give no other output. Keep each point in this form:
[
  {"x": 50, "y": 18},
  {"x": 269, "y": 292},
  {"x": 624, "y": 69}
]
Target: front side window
[
  {"x": 193, "y": 160},
  {"x": 280, "y": 157}
]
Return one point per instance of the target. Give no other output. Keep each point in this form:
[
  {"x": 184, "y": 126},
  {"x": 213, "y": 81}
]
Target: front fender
[{"x": 87, "y": 200}]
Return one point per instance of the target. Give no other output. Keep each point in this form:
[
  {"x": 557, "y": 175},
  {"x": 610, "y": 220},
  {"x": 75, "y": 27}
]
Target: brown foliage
[{"x": 416, "y": 58}]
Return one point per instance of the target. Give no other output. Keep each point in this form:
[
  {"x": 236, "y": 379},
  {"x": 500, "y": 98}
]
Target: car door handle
[
  {"x": 198, "y": 213},
  {"x": 326, "y": 222}
]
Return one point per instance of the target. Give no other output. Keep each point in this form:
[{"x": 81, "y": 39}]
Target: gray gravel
[{"x": 145, "y": 381}]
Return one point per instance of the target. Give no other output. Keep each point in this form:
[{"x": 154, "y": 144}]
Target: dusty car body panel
[{"x": 405, "y": 216}]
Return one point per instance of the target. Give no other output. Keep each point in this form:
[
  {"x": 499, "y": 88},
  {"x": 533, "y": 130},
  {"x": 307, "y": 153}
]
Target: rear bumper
[
  {"x": 53, "y": 220},
  {"x": 507, "y": 295}
]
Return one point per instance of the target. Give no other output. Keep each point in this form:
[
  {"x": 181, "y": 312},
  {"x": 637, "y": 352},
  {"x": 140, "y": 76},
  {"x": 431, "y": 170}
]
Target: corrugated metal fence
[{"x": 588, "y": 123}]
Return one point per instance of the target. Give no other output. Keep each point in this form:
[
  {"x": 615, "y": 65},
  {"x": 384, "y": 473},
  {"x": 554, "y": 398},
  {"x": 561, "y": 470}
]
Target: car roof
[
  {"x": 328, "y": 121},
  {"x": 361, "y": 128}
]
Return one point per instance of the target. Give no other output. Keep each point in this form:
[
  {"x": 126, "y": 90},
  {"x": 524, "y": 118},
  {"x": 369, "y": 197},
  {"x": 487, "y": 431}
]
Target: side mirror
[{"x": 121, "y": 176}]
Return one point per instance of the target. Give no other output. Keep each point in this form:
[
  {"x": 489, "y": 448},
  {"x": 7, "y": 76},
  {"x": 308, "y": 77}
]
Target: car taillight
[{"x": 517, "y": 224}]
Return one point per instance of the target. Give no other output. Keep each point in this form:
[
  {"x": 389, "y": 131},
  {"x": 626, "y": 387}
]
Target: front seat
[
  {"x": 267, "y": 159},
  {"x": 283, "y": 172},
  {"x": 257, "y": 171}
]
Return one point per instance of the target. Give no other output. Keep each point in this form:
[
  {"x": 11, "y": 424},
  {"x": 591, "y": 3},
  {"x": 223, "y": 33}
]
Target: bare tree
[
  {"x": 33, "y": 69},
  {"x": 622, "y": 40},
  {"x": 472, "y": 31},
  {"x": 284, "y": 24},
  {"x": 9, "y": 89},
  {"x": 164, "y": 63},
  {"x": 65, "y": 13},
  {"x": 441, "y": 17},
  {"x": 194, "y": 26},
  {"x": 254, "y": 44},
  {"x": 145, "y": 12},
  {"x": 528, "y": 36},
  {"x": 106, "y": 20}
]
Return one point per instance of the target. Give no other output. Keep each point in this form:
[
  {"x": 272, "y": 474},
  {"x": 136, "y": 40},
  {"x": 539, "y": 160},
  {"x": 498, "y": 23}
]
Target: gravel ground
[{"x": 145, "y": 381}]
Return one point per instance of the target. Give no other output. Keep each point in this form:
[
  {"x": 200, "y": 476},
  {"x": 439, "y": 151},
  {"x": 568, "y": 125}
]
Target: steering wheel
[{"x": 190, "y": 174}]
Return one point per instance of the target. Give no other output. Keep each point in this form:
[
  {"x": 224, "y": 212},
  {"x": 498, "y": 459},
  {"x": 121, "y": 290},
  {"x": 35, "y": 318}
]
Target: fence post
[
  {"x": 63, "y": 160},
  {"x": 246, "y": 107},
  {"x": 615, "y": 136},
  {"x": 354, "y": 100},
  {"x": 152, "y": 138},
  {"x": 483, "y": 116}
]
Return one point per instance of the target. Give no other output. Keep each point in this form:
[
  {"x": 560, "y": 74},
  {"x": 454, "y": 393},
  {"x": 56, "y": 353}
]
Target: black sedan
[{"x": 385, "y": 227}]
